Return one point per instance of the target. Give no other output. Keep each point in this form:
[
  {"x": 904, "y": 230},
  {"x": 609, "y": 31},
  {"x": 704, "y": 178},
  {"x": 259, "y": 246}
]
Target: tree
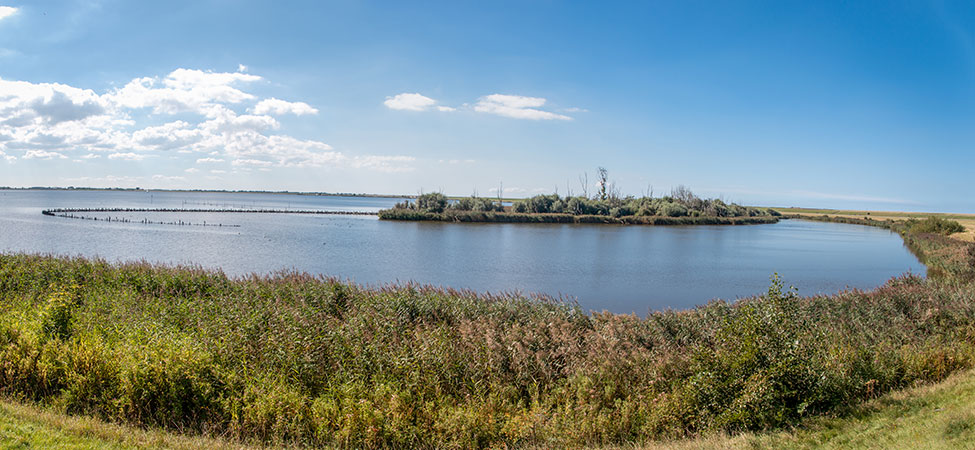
[
  {"x": 603, "y": 175},
  {"x": 584, "y": 181}
]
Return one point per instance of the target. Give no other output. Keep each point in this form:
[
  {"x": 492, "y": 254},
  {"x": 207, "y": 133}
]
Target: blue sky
[{"x": 820, "y": 104}]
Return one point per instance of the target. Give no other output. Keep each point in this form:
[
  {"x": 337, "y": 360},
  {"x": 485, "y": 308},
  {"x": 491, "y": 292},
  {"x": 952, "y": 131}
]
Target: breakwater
[{"x": 78, "y": 213}]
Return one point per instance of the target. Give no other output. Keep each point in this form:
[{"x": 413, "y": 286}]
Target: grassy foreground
[
  {"x": 939, "y": 415},
  {"x": 297, "y": 360}
]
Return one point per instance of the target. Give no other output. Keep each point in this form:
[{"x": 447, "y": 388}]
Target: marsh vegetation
[
  {"x": 296, "y": 359},
  {"x": 681, "y": 207}
]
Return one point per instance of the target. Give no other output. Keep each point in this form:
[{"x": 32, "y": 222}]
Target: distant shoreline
[{"x": 207, "y": 191}]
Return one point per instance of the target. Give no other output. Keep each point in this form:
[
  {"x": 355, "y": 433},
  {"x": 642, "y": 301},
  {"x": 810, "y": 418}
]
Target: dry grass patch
[{"x": 24, "y": 426}]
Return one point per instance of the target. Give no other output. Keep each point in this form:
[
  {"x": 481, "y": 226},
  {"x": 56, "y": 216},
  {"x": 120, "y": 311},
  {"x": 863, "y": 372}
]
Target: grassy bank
[
  {"x": 293, "y": 359},
  {"x": 934, "y": 240},
  {"x": 966, "y": 220},
  {"x": 513, "y": 217}
]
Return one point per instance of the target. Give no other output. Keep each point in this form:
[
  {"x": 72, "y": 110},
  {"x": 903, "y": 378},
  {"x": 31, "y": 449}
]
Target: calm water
[{"x": 621, "y": 269}]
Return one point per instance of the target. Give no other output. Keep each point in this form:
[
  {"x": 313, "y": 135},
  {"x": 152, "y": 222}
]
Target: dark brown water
[{"x": 617, "y": 268}]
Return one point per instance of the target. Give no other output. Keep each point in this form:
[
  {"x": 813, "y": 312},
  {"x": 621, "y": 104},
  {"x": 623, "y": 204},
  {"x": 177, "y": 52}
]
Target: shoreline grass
[{"x": 966, "y": 220}]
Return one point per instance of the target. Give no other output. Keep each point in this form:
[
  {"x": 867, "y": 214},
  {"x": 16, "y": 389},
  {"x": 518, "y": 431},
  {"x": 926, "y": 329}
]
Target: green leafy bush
[{"x": 936, "y": 225}]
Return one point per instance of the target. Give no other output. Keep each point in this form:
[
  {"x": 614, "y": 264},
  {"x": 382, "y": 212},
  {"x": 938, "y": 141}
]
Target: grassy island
[
  {"x": 682, "y": 207},
  {"x": 293, "y": 359}
]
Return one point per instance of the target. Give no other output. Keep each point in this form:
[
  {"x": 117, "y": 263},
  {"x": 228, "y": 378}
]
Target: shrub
[
  {"x": 56, "y": 318},
  {"x": 935, "y": 225},
  {"x": 434, "y": 202},
  {"x": 673, "y": 210}
]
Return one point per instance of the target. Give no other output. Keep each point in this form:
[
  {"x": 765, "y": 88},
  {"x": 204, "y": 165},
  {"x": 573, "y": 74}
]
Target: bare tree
[
  {"x": 682, "y": 194},
  {"x": 584, "y": 181},
  {"x": 603, "y": 175}
]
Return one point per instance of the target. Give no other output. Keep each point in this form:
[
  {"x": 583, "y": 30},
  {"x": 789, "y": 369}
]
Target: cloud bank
[{"x": 195, "y": 112}]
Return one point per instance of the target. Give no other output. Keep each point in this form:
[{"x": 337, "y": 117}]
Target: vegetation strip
[
  {"x": 681, "y": 207},
  {"x": 511, "y": 217}
]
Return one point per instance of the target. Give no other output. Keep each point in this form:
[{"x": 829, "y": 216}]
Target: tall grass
[{"x": 302, "y": 360}]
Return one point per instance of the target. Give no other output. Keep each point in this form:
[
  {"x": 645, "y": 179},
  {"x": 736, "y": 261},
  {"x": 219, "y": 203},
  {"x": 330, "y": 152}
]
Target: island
[{"x": 681, "y": 207}]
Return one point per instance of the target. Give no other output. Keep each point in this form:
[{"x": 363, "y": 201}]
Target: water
[{"x": 617, "y": 268}]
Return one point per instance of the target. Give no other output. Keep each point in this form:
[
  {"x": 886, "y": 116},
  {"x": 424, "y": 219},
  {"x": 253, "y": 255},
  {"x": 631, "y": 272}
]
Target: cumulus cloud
[
  {"x": 281, "y": 107},
  {"x": 410, "y": 102},
  {"x": 516, "y": 107},
  {"x": 185, "y": 112},
  {"x": 184, "y": 90},
  {"x": 7, "y": 11}
]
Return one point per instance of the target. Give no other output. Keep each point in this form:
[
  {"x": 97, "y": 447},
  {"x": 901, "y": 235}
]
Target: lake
[{"x": 622, "y": 269}]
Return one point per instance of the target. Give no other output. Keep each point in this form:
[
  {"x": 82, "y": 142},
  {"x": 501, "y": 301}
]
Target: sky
[{"x": 781, "y": 103}]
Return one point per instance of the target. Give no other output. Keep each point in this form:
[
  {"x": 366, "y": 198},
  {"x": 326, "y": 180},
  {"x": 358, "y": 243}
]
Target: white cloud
[
  {"x": 184, "y": 90},
  {"x": 128, "y": 156},
  {"x": 281, "y": 107},
  {"x": 241, "y": 68},
  {"x": 409, "y": 102},
  {"x": 513, "y": 106},
  {"x": 41, "y": 154},
  {"x": 7, "y": 11},
  {"x": 516, "y": 107},
  {"x": 192, "y": 170},
  {"x": 43, "y": 120}
]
